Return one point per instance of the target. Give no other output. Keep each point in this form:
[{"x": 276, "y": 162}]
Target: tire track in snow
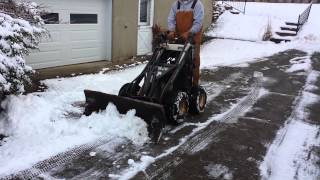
[
  {"x": 68, "y": 156},
  {"x": 208, "y": 135},
  {"x": 121, "y": 157},
  {"x": 213, "y": 90},
  {"x": 57, "y": 160}
]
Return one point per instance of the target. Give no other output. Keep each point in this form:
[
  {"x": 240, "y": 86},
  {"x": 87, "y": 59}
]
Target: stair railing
[
  {"x": 303, "y": 17},
  {"x": 239, "y": 5}
]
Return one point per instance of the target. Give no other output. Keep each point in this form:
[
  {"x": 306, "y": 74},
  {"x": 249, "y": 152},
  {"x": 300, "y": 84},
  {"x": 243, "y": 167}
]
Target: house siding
[{"x": 125, "y": 24}]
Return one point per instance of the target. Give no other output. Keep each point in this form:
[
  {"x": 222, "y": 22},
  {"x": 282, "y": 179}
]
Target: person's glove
[
  {"x": 171, "y": 35},
  {"x": 185, "y": 35}
]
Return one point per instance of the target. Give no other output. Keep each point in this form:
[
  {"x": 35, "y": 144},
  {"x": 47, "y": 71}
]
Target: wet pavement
[
  {"x": 240, "y": 146},
  {"x": 228, "y": 141}
]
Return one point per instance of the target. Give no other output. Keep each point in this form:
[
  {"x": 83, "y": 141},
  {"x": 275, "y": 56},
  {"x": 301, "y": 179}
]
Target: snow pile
[
  {"x": 253, "y": 24},
  {"x": 17, "y": 37},
  {"x": 41, "y": 125}
]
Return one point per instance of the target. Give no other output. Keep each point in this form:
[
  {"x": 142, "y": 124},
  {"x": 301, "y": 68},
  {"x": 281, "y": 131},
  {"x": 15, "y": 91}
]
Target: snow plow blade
[{"x": 153, "y": 114}]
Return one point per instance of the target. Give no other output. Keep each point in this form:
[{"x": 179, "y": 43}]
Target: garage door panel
[
  {"x": 87, "y": 44},
  {"x": 81, "y": 27},
  {"x": 50, "y": 56},
  {"x": 85, "y": 35},
  {"x": 54, "y": 37},
  {"x": 91, "y": 53},
  {"x": 74, "y": 43},
  {"x": 48, "y": 47}
]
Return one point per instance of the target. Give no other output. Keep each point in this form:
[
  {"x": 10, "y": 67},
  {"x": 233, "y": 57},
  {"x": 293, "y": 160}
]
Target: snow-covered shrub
[
  {"x": 21, "y": 28},
  {"x": 217, "y": 10}
]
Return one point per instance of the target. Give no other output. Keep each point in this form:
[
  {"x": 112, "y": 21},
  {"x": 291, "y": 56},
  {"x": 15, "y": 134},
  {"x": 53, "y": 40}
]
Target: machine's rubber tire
[
  {"x": 198, "y": 100},
  {"x": 178, "y": 107},
  {"x": 128, "y": 90}
]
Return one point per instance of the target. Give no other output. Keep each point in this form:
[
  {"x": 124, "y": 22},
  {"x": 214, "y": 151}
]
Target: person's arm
[
  {"x": 172, "y": 18},
  {"x": 198, "y": 17}
]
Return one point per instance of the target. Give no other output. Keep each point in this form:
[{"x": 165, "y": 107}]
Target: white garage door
[{"x": 80, "y": 32}]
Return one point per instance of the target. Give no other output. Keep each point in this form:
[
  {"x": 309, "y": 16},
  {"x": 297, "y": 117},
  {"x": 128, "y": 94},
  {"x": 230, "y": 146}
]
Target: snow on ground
[
  {"x": 224, "y": 52},
  {"x": 228, "y": 115},
  {"x": 227, "y": 52},
  {"x": 38, "y": 124},
  {"x": 253, "y": 24},
  {"x": 287, "y": 157},
  {"x": 248, "y": 30},
  {"x": 290, "y": 156}
]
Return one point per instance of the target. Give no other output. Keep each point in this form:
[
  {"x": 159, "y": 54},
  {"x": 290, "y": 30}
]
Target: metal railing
[
  {"x": 303, "y": 17},
  {"x": 239, "y": 5}
]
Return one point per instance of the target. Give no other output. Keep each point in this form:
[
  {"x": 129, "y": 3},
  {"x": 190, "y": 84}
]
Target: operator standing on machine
[{"x": 186, "y": 16}]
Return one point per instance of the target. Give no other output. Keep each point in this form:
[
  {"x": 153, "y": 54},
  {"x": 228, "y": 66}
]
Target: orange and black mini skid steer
[{"x": 162, "y": 93}]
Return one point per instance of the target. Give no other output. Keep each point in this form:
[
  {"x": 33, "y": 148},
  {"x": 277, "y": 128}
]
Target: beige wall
[
  {"x": 208, "y": 5},
  {"x": 162, "y": 8},
  {"x": 125, "y": 24},
  {"x": 124, "y": 29}
]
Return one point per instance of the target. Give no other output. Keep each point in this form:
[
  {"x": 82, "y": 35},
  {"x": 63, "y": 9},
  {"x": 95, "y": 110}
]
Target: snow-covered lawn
[
  {"x": 248, "y": 29},
  {"x": 39, "y": 125},
  {"x": 253, "y": 24}
]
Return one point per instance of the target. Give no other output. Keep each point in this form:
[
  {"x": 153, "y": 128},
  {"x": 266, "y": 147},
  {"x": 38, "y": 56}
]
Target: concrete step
[
  {"x": 292, "y": 24},
  {"x": 285, "y": 33},
  {"x": 279, "y": 40},
  {"x": 228, "y": 7},
  {"x": 235, "y": 12},
  {"x": 289, "y": 29}
]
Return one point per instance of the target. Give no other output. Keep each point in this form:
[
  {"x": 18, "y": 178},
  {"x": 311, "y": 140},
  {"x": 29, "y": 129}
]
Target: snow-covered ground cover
[
  {"x": 253, "y": 24},
  {"x": 248, "y": 31},
  {"x": 226, "y": 52},
  {"x": 42, "y": 124},
  {"x": 39, "y": 125}
]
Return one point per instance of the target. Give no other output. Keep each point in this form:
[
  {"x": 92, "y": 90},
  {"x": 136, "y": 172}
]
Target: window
[
  {"x": 145, "y": 8},
  {"x": 83, "y": 18},
  {"x": 50, "y": 18}
]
